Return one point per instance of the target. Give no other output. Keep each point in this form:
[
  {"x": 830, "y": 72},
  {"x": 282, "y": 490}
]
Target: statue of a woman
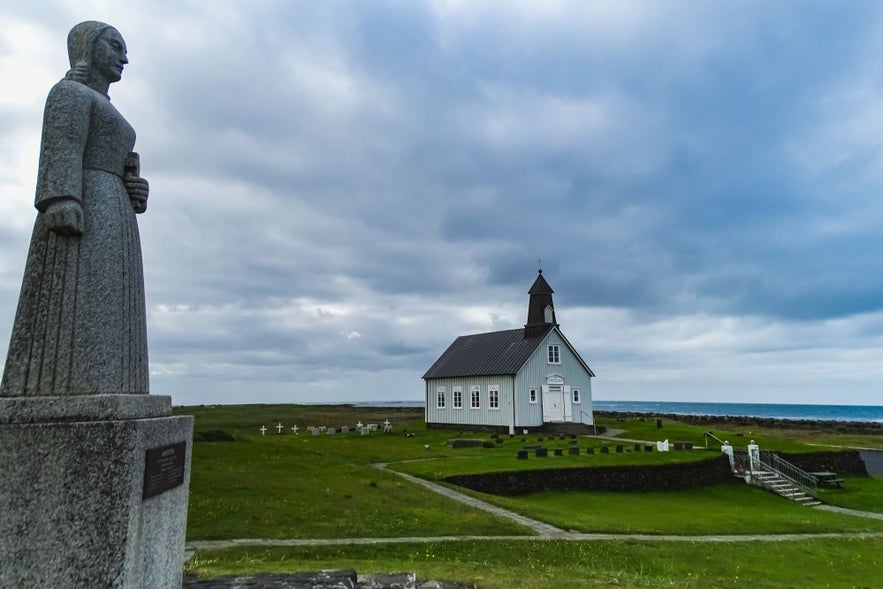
[{"x": 80, "y": 327}]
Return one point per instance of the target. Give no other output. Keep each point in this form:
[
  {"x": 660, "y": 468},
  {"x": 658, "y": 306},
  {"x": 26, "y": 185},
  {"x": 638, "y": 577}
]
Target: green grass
[
  {"x": 777, "y": 440},
  {"x": 863, "y": 493},
  {"x": 722, "y": 509},
  {"x": 553, "y": 564},
  {"x": 298, "y": 487},
  {"x": 285, "y": 486},
  {"x": 458, "y": 462}
]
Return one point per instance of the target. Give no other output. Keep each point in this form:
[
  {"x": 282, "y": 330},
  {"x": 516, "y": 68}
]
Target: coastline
[{"x": 833, "y": 425}]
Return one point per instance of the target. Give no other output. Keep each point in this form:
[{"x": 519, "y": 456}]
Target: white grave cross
[
  {"x": 279, "y": 429},
  {"x": 359, "y": 425},
  {"x": 387, "y": 426},
  {"x": 294, "y": 429},
  {"x": 263, "y": 430}
]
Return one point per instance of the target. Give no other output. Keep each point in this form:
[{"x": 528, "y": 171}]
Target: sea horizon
[{"x": 789, "y": 411}]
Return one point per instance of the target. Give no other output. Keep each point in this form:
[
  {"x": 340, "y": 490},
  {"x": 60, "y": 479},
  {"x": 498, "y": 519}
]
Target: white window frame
[
  {"x": 475, "y": 397},
  {"x": 493, "y": 397},
  {"x": 576, "y": 396},
  {"x": 440, "y": 394},
  {"x": 532, "y": 396},
  {"x": 554, "y": 354},
  {"x": 457, "y": 394}
]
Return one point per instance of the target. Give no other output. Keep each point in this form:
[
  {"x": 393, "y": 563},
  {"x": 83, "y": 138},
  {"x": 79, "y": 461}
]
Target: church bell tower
[{"x": 540, "y": 309}]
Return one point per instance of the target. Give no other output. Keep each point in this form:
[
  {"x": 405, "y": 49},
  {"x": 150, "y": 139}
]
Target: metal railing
[
  {"x": 582, "y": 418},
  {"x": 796, "y": 475},
  {"x": 769, "y": 462},
  {"x": 713, "y": 437}
]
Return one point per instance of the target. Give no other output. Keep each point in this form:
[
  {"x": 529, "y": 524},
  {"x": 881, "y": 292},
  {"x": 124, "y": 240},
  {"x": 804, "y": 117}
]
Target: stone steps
[{"x": 785, "y": 488}]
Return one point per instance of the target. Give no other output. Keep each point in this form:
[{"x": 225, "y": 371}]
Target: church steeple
[{"x": 540, "y": 309}]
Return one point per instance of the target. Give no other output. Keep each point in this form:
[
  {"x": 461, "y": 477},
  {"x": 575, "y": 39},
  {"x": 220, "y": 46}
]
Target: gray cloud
[{"x": 339, "y": 189}]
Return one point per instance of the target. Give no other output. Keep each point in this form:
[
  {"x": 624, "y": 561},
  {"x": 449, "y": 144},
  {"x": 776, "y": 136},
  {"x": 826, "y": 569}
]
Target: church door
[{"x": 553, "y": 402}]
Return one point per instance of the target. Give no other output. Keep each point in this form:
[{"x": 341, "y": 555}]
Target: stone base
[{"x": 71, "y": 507}]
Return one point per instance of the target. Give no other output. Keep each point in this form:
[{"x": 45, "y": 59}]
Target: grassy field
[
  {"x": 557, "y": 564},
  {"x": 304, "y": 486}
]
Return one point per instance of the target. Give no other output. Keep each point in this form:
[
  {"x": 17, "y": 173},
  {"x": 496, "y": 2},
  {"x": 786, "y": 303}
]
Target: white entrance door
[{"x": 553, "y": 402}]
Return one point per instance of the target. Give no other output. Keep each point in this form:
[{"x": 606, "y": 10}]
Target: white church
[{"x": 511, "y": 380}]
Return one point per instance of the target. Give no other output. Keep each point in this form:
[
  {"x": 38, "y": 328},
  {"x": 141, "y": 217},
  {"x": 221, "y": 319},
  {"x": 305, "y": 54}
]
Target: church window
[
  {"x": 457, "y": 392},
  {"x": 475, "y": 397},
  {"x": 493, "y": 395},
  {"x": 554, "y": 354},
  {"x": 440, "y": 397}
]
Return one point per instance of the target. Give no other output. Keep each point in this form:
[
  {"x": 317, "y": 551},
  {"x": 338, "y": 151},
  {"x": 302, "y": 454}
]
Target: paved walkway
[
  {"x": 267, "y": 542},
  {"x": 541, "y": 528},
  {"x": 855, "y": 512}
]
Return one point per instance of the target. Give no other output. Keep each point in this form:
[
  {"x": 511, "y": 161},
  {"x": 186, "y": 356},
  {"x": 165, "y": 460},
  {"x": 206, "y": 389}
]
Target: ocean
[{"x": 870, "y": 413}]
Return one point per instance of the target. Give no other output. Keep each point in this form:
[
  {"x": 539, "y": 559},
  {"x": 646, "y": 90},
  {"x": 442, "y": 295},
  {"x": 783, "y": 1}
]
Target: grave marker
[
  {"x": 279, "y": 428},
  {"x": 263, "y": 429}
]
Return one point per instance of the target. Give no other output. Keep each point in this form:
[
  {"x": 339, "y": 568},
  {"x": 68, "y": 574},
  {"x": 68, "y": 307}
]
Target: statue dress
[{"x": 80, "y": 327}]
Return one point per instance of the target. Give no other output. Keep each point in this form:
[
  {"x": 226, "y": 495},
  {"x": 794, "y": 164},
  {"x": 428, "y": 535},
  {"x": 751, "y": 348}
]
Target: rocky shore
[{"x": 840, "y": 427}]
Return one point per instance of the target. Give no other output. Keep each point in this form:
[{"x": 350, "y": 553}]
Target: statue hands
[
  {"x": 64, "y": 216},
  {"x": 138, "y": 189}
]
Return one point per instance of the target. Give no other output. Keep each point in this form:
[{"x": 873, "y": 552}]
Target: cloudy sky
[{"x": 340, "y": 188}]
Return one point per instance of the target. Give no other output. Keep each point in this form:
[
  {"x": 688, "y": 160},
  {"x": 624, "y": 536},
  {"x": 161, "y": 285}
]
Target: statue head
[{"x": 82, "y": 50}]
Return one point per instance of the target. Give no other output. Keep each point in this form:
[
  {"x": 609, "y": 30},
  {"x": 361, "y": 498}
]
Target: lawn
[
  {"x": 554, "y": 564},
  {"x": 304, "y": 486}
]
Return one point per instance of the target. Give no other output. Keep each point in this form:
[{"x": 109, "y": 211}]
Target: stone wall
[
  {"x": 665, "y": 477},
  {"x": 845, "y": 462},
  {"x": 843, "y": 427}
]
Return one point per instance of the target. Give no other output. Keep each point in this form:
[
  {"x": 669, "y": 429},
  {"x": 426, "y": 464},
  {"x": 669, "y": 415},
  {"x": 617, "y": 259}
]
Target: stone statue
[{"x": 80, "y": 327}]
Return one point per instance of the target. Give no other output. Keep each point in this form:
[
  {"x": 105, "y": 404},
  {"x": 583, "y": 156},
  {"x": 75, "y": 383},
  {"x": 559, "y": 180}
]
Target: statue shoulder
[{"x": 68, "y": 94}]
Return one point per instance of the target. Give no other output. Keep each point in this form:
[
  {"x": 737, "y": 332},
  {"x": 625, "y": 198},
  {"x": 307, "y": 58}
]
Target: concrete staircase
[{"x": 783, "y": 487}]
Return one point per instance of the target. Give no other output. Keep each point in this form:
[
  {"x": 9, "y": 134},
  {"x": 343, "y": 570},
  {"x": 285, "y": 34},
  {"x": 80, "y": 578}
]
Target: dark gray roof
[{"x": 497, "y": 352}]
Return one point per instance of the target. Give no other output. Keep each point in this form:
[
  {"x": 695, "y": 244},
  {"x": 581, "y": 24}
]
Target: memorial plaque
[{"x": 164, "y": 469}]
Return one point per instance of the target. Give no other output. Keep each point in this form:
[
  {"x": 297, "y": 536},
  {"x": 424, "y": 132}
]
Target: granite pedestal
[{"x": 75, "y": 501}]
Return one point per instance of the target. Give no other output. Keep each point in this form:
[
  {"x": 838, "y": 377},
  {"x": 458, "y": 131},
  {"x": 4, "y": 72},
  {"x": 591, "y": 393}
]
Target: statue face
[{"x": 109, "y": 55}]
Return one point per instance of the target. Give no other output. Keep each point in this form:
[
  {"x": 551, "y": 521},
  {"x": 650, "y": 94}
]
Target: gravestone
[
  {"x": 605, "y": 450},
  {"x": 95, "y": 470},
  {"x": 365, "y": 431},
  {"x": 345, "y": 429},
  {"x": 573, "y": 451},
  {"x": 541, "y": 452},
  {"x": 590, "y": 450},
  {"x": 330, "y": 431}
]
